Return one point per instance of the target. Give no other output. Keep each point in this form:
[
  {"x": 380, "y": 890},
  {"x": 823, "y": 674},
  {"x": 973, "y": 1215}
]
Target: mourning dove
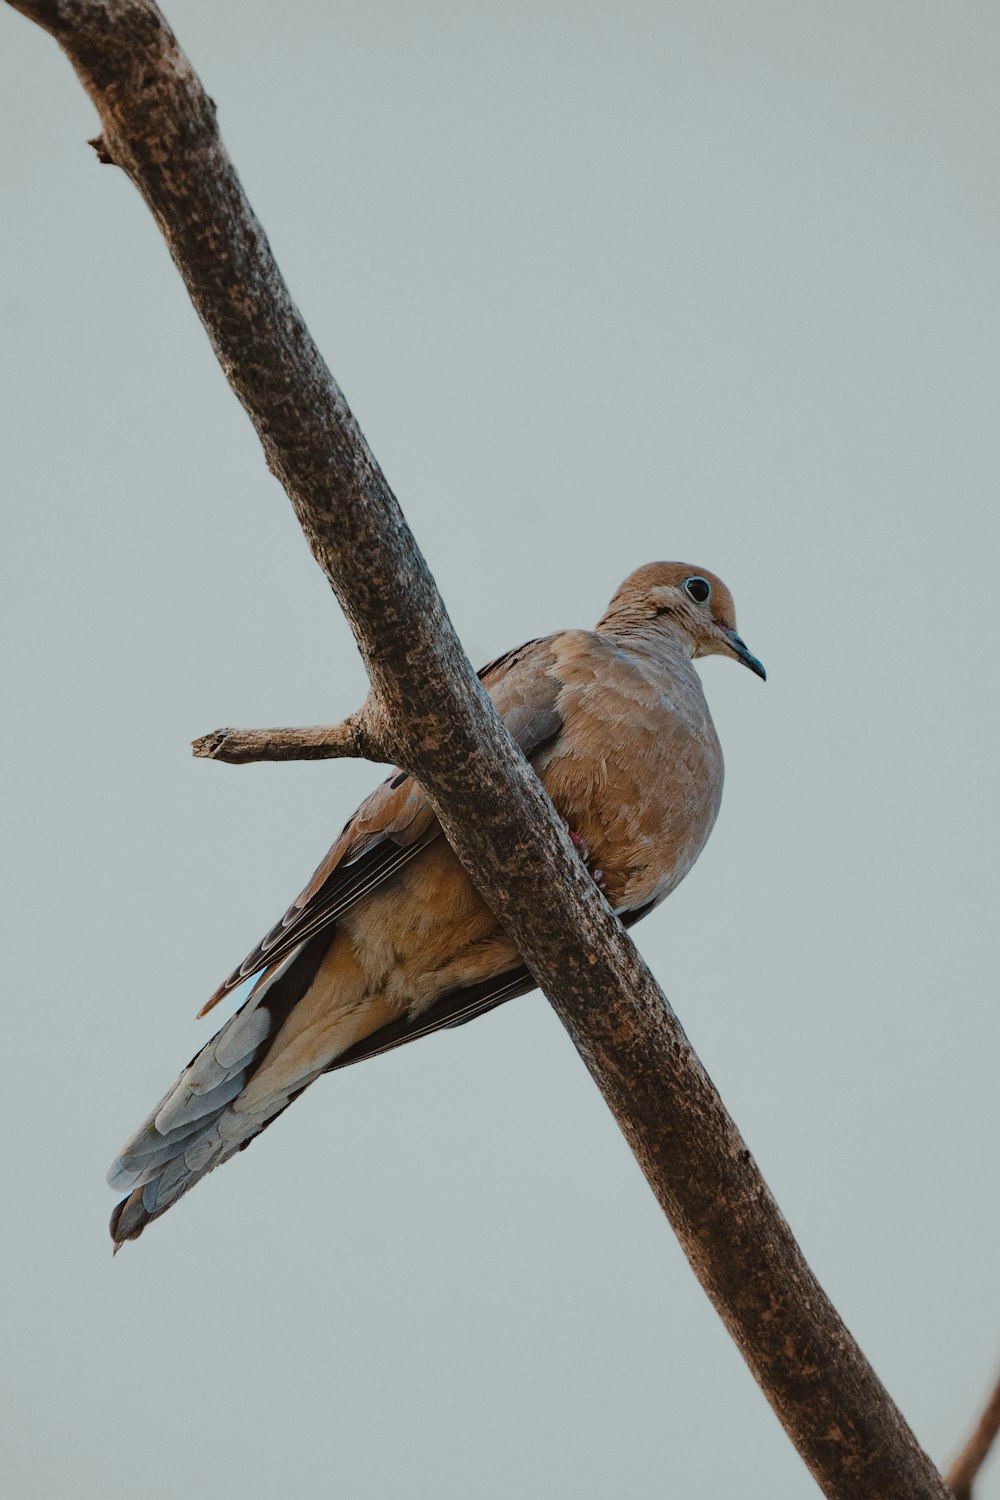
[{"x": 390, "y": 941}]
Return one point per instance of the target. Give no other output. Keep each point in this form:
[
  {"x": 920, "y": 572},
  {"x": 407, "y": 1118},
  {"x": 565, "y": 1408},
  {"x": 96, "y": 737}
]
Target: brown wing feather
[
  {"x": 451, "y": 1010},
  {"x": 397, "y": 821}
]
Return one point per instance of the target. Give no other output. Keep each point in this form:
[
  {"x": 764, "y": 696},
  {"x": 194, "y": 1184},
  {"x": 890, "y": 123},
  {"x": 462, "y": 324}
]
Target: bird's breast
[{"x": 637, "y": 773}]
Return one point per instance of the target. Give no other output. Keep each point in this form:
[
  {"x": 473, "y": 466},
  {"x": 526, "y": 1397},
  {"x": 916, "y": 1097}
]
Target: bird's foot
[
  {"x": 579, "y": 844},
  {"x": 583, "y": 849}
]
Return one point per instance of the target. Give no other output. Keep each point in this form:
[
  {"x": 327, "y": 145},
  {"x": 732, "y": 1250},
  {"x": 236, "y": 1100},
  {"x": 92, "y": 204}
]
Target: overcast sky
[{"x": 709, "y": 281}]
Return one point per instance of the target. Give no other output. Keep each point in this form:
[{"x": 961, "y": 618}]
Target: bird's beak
[{"x": 738, "y": 647}]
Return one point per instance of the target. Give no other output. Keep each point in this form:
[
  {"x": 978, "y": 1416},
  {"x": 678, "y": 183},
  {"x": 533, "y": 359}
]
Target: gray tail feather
[{"x": 195, "y": 1128}]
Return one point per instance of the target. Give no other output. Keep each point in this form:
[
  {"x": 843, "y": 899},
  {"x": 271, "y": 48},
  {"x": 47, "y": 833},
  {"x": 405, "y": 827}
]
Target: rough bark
[{"x": 428, "y": 710}]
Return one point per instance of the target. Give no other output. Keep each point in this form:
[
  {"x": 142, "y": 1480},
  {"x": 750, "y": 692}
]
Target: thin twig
[
  {"x": 961, "y": 1475},
  {"x": 240, "y": 747}
]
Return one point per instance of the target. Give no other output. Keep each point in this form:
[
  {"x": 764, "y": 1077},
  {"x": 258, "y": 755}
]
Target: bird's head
[{"x": 694, "y": 602}]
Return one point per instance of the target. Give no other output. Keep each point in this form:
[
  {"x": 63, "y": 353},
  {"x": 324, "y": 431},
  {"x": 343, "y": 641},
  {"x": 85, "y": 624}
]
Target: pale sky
[{"x": 708, "y": 281}]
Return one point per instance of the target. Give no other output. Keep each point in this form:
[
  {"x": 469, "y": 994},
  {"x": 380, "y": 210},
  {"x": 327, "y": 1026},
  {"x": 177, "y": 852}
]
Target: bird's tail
[{"x": 296, "y": 1019}]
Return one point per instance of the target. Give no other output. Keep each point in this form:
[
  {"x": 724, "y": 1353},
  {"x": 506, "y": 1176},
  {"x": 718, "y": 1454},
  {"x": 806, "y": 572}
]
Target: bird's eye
[{"x": 698, "y": 589}]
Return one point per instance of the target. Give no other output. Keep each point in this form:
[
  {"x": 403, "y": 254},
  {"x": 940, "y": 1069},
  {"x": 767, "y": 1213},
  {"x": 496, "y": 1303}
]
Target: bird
[{"x": 390, "y": 941}]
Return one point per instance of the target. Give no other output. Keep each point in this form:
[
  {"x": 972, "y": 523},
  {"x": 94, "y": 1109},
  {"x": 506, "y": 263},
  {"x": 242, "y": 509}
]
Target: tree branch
[
  {"x": 961, "y": 1475},
  {"x": 159, "y": 126},
  {"x": 238, "y": 747}
]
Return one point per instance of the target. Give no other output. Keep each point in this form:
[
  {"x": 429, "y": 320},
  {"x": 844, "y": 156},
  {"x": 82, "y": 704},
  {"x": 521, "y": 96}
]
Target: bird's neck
[{"x": 660, "y": 637}]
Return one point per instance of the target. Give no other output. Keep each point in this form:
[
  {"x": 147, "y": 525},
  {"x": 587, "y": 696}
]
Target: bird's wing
[{"x": 397, "y": 821}]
